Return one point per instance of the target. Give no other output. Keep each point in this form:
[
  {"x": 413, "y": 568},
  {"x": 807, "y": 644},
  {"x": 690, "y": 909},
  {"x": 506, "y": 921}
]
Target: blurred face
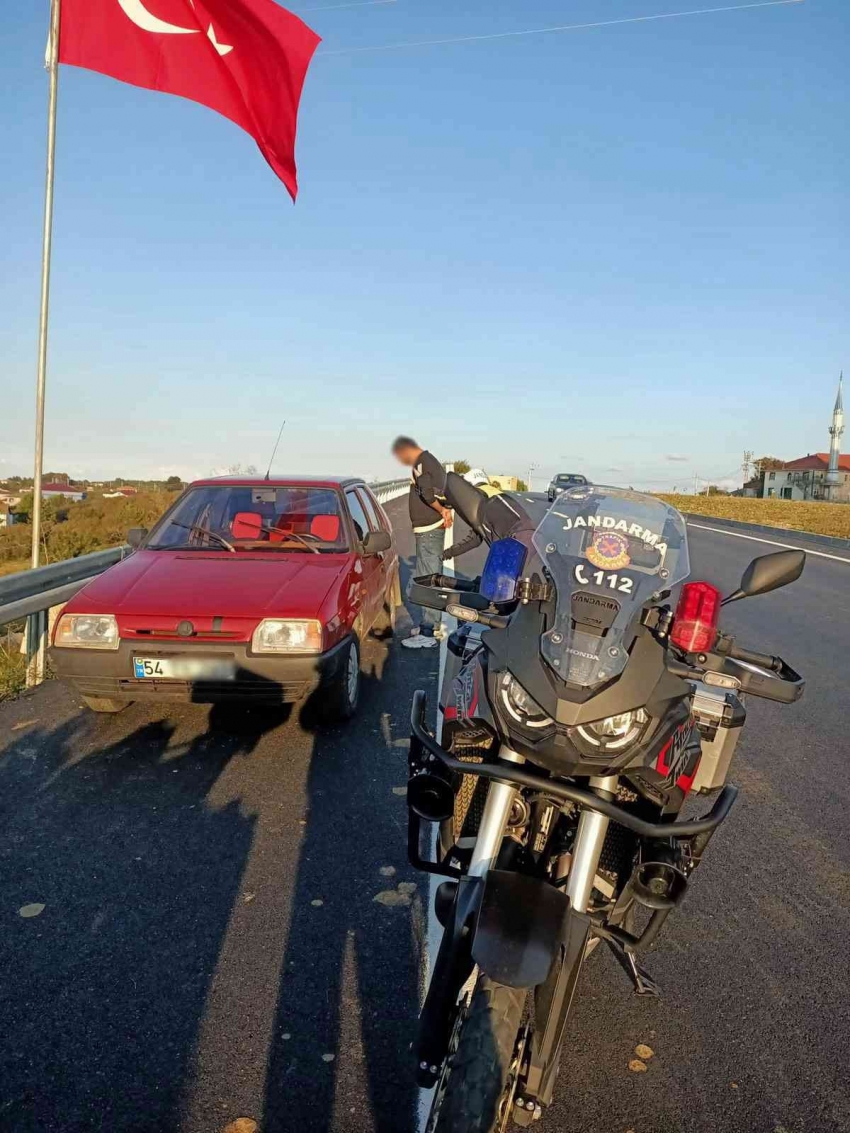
[{"x": 406, "y": 455}]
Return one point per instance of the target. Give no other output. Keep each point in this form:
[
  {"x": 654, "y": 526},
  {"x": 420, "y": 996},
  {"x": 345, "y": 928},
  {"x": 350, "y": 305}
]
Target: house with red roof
[
  {"x": 805, "y": 479},
  {"x": 819, "y": 475},
  {"x": 53, "y": 491}
]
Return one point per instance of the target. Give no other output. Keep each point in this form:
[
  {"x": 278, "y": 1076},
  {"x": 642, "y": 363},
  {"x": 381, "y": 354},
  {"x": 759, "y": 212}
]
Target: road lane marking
[
  {"x": 434, "y": 929},
  {"x": 769, "y": 542}
]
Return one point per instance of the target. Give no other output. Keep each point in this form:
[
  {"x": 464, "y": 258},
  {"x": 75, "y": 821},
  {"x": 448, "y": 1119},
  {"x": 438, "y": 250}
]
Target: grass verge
[
  {"x": 816, "y": 518},
  {"x": 12, "y": 670}
]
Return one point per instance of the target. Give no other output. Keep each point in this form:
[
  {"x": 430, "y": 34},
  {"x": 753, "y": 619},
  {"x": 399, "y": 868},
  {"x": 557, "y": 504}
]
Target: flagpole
[{"x": 36, "y": 631}]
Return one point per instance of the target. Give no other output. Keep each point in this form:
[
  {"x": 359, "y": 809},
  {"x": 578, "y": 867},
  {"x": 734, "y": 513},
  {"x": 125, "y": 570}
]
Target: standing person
[{"x": 428, "y": 517}]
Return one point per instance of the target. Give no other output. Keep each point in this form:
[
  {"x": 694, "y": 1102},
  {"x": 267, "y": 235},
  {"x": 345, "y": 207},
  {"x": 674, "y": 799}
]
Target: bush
[
  {"x": 12, "y": 669},
  {"x": 91, "y": 525}
]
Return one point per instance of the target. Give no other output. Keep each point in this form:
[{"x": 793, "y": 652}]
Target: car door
[
  {"x": 378, "y": 522},
  {"x": 370, "y": 567},
  {"x": 389, "y": 559}
]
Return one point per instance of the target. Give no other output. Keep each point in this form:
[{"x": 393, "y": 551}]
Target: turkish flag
[{"x": 247, "y": 59}]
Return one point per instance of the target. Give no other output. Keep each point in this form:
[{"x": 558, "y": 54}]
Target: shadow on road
[
  {"x": 140, "y": 837},
  {"x": 351, "y": 962},
  {"x": 109, "y": 828}
]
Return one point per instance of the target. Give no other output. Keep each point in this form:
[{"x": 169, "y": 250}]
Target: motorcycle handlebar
[
  {"x": 764, "y": 660},
  {"x": 726, "y": 647},
  {"x": 757, "y": 673}
]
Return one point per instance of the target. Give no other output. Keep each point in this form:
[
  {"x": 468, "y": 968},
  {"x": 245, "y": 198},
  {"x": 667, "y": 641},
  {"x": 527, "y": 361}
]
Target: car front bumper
[{"x": 264, "y": 678}]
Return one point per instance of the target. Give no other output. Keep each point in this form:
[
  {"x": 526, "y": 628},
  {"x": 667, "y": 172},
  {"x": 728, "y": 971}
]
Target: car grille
[{"x": 201, "y": 692}]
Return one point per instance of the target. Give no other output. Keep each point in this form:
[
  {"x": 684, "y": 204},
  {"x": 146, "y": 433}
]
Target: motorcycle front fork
[{"x": 587, "y": 848}]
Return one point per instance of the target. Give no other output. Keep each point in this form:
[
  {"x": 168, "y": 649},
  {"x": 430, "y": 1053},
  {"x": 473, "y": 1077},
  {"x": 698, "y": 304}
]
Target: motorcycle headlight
[
  {"x": 287, "y": 635},
  {"x": 614, "y": 733},
  {"x": 520, "y": 705},
  {"x": 87, "y": 631}
]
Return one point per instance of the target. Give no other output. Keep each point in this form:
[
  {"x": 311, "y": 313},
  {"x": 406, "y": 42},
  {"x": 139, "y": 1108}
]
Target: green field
[{"x": 816, "y": 518}]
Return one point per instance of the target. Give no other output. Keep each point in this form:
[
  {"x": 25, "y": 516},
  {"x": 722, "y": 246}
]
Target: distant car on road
[
  {"x": 247, "y": 590},
  {"x": 563, "y": 481}
]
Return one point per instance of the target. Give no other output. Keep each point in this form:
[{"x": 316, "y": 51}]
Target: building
[
  {"x": 505, "y": 483},
  {"x": 818, "y": 475},
  {"x": 834, "y": 479},
  {"x": 53, "y": 490},
  {"x": 806, "y": 479},
  {"x": 8, "y": 502}
]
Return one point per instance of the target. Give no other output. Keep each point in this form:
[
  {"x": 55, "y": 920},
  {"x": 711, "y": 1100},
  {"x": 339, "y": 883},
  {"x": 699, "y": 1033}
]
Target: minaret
[{"x": 835, "y": 431}]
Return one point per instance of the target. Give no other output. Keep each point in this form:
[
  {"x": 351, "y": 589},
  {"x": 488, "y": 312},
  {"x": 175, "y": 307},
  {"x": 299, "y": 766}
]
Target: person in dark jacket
[{"x": 429, "y": 517}]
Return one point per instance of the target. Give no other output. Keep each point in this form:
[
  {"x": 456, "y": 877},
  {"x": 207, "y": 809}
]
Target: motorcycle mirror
[
  {"x": 467, "y": 501},
  {"x": 136, "y": 536},
  {"x": 769, "y": 572}
]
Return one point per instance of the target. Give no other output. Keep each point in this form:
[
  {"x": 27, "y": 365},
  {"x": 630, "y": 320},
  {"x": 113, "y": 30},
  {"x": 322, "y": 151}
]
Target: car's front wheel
[{"x": 342, "y": 693}]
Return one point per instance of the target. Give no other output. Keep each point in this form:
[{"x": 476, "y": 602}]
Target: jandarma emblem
[{"x": 609, "y": 550}]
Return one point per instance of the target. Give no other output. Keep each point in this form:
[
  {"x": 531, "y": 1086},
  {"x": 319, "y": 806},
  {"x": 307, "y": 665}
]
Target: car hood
[{"x": 197, "y": 584}]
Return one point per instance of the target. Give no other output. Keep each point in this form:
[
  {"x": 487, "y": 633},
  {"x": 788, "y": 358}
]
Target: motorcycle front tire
[{"x": 479, "y": 1090}]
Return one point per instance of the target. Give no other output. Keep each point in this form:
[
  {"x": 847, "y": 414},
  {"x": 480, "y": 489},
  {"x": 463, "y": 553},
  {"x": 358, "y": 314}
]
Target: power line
[
  {"x": 551, "y": 30},
  {"x": 332, "y": 7}
]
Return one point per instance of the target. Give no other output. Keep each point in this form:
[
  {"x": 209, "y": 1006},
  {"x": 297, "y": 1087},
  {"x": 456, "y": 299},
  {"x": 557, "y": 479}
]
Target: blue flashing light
[{"x": 503, "y": 569}]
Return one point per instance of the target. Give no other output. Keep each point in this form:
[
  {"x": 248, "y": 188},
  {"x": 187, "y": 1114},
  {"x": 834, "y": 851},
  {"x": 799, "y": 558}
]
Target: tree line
[{"x": 70, "y": 529}]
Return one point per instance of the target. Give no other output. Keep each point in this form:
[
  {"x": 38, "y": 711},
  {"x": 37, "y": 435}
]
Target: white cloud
[{"x": 674, "y": 458}]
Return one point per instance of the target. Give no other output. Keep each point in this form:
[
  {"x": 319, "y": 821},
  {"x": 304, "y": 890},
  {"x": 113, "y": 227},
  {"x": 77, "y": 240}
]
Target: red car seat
[
  {"x": 325, "y": 527},
  {"x": 247, "y": 525}
]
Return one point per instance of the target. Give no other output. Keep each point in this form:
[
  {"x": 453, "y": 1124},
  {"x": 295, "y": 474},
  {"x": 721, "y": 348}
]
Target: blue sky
[{"x": 621, "y": 250}]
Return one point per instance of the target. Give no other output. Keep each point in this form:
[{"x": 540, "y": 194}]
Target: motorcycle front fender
[{"x": 521, "y": 926}]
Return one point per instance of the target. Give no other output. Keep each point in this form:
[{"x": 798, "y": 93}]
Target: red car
[{"x": 253, "y": 590}]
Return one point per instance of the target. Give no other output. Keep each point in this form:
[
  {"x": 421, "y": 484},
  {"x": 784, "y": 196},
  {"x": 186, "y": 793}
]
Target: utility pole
[
  {"x": 531, "y": 469},
  {"x": 745, "y": 466},
  {"x": 696, "y": 477},
  {"x": 37, "y": 623}
]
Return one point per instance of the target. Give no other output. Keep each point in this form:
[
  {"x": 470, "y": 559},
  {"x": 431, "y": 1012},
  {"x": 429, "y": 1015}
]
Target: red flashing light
[{"x": 695, "y": 624}]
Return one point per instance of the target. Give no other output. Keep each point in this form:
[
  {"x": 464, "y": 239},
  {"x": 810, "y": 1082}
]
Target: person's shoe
[{"x": 419, "y": 641}]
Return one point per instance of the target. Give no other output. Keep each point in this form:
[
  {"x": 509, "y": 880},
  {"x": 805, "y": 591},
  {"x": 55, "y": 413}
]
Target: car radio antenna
[{"x": 274, "y": 450}]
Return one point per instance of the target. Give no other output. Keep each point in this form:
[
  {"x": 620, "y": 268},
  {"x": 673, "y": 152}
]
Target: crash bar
[{"x": 560, "y": 789}]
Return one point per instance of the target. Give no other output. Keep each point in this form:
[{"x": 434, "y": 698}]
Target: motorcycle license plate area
[{"x": 183, "y": 669}]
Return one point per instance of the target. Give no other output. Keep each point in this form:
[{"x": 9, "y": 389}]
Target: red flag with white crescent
[{"x": 247, "y": 59}]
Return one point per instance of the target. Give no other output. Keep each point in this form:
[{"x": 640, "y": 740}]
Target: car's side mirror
[
  {"x": 769, "y": 572},
  {"x": 376, "y": 541},
  {"x": 136, "y": 536}
]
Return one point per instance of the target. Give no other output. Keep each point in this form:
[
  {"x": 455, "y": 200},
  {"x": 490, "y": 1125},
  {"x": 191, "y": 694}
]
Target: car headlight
[
  {"x": 87, "y": 631},
  {"x": 520, "y": 705},
  {"x": 614, "y": 733},
  {"x": 287, "y": 635}
]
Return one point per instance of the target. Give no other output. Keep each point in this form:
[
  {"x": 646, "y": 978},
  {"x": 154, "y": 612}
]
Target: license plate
[{"x": 182, "y": 669}]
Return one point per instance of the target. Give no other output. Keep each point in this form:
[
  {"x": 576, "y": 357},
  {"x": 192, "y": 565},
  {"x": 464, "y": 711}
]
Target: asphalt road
[{"x": 230, "y": 928}]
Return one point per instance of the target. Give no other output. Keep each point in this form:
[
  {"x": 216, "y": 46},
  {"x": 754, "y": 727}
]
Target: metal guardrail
[
  {"x": 33, "y": 591},
  {"x": 387, "y": 490}
]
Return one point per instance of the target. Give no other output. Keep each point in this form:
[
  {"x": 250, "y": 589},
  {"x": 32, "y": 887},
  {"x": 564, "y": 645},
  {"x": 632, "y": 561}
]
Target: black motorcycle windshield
[{"x": 608, "y": 551}]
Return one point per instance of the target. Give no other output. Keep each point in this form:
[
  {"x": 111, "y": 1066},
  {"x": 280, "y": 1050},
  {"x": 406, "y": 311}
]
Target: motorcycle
[{"x": 580, "y": 712}]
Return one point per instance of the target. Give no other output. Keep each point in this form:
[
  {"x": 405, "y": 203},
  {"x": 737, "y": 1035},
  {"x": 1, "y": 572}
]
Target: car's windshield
[
  {"x": 254, "y": 517},
  {"x": 608, "y": 552},
  {"x": 570, "y": 478}
]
